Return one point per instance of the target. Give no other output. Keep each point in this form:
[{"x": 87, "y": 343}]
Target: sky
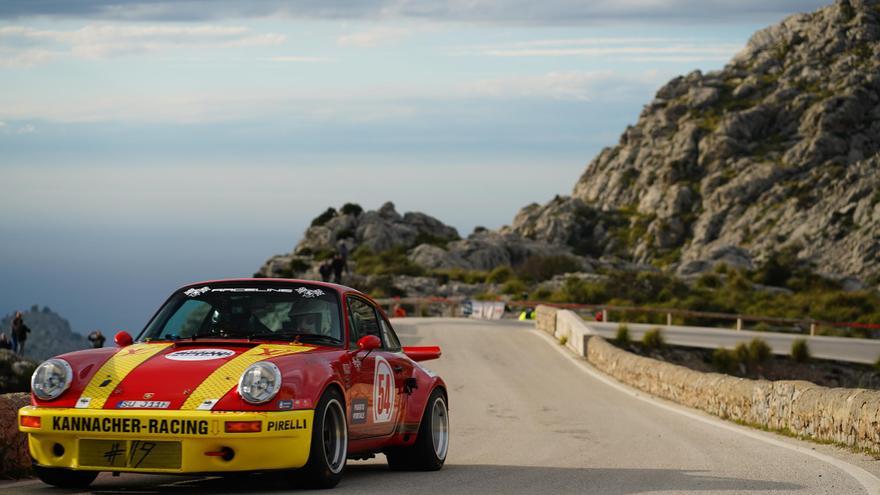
[{"x": 147, "y": 144}]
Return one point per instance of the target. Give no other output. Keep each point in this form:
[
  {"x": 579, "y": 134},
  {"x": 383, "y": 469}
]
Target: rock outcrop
[
  {"x": 15, "y": 372},
  {"x": 50, "y": 333},
  {"x": 777, "y": 151},
  {"x": 427, "y": 242}
]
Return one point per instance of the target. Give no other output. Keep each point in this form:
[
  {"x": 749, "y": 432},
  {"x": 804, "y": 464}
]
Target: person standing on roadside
[
  {"x": 338, "y": 267},
  {"x": 97, "y": 339},
  {"x": 19, "y": 333},
  {"x": 326, "y": 270}
]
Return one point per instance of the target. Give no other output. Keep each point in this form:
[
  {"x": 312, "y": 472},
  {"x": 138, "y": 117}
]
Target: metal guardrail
[{"x": 451, "y": 307}]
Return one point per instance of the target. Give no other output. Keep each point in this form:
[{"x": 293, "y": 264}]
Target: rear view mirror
[
  {"x": 426, "y": 353},
  {"x": 369, "y": 342},
  {"x": 123, "y": 339}
]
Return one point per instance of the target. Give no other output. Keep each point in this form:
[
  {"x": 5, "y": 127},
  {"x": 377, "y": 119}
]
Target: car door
[{"x": 375, "y": 401}]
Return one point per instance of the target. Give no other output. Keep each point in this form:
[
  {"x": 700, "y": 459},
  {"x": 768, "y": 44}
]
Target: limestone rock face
[{"x": 777, "y": 151}]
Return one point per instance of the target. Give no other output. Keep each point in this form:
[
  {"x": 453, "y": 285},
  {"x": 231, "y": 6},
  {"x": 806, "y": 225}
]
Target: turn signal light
[
  {"x": 244, "y": 426},
  {"x": 30, "y": 421}
]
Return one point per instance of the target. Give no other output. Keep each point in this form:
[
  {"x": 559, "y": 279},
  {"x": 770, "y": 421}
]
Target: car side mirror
[
  {"x": 425, "y": 353},
  {"x": 123, "y": 339},
  {"x": 369, "y": 343}
]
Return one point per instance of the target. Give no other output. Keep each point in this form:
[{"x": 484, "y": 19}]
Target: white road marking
[{"x": 869, "y": 482}]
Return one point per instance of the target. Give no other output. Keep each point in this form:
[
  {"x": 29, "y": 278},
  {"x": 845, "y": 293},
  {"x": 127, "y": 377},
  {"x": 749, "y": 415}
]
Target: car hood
[{"x": 165, "y": 375}]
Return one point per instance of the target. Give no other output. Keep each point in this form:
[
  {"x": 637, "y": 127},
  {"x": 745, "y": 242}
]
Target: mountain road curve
[
  {"x": 865, "y": 351},
  {"x": 529, "y": 417}
]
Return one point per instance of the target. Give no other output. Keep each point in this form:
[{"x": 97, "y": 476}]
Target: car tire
[
  {"x": 329, "y": 448},
  {"x": 428, "y": 453},
  {"x": 64, "y": 478}
]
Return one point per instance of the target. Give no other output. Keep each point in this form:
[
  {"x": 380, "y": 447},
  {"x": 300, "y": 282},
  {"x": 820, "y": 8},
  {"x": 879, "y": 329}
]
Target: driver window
[{"x": 363, "y": 320}]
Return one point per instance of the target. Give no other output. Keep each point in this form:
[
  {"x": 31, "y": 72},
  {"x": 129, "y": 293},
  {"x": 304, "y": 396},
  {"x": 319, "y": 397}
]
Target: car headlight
[
  {"x": 259, "y": 383},
  {"x": 51, "y": 379}
]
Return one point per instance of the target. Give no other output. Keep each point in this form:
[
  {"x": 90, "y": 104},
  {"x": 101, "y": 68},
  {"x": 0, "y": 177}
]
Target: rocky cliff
[
  {"x": 50, "y": 334},
  {"x": 776, "y": 152}
]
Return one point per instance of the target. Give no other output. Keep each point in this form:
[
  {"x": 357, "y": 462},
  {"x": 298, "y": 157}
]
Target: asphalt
[
  {"x": 836, "y": 348},
  {"x": 528, "y": 417}
]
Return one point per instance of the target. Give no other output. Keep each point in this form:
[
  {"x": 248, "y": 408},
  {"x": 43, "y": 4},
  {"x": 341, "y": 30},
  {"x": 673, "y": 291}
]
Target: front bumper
[{"x": 67, "y": 438}]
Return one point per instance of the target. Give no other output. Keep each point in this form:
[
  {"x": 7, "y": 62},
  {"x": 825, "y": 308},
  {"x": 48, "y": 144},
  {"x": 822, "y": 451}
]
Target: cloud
[
  {"x": 630, "y": 49},
  {"x": 27, "y": 46},
  {"x": 293, "y": 59},
  {"x": 569, "y": 85},
  {"x": 507, "y": 11},
  {"x": 373, "y": 37}
]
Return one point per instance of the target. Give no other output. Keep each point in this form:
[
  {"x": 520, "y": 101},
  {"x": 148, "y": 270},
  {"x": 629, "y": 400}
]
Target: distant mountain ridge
[
  {"x": 778, "y": 151},
  {"x": 50, "y": 333}
]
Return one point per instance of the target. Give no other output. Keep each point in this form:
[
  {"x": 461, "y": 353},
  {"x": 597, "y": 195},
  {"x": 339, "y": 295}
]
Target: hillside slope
[{"x": 777, "y": 152}]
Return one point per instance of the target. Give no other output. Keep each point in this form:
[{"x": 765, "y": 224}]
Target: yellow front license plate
[{"x": 138, "y": 454}]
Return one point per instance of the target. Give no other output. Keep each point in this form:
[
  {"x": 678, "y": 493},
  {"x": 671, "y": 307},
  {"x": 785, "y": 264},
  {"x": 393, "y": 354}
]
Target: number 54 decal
[{"x": 383, "y": 392}]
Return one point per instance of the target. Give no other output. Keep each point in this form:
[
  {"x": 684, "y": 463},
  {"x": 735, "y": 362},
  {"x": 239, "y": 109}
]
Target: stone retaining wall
[
  {"x": 15, "y": 460},
  {"x": 846, "y": 416}
]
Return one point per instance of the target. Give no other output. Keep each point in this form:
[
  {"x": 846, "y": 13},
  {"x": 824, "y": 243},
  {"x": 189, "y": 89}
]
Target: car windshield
[{"x": 273, "y": 312}]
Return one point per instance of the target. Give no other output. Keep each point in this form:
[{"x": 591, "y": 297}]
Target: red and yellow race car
[{"x": 241, "y": 375}]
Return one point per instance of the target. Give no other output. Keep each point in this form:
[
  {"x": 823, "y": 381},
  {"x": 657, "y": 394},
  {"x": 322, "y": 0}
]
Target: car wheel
[
  {"x": 329, "y": 449},
  {"x": 428, "y": 453},
  {"x": 64, "y": 478}
]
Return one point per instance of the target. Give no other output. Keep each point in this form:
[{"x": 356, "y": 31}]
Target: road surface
[
  {"x": 837, "y": 348},
  {"x": 527, "y": 418}
]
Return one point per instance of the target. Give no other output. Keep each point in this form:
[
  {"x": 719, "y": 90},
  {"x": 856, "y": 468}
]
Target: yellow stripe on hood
[
  {"x": 225, "y": 377},
  {"x": 111, "y": 373}
]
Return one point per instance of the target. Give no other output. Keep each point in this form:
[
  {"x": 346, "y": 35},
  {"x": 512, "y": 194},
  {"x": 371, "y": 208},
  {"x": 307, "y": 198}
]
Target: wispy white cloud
[
  {"x": 294, "y": 59},
  {"x": 374, "y": 37},
  {"x": 27, "y": 46},
  {"x": 563, "y": 85},
  {"x": 342, "y": 105},
  {"x": 630, "y": 49},
  {"x": 568, "y": 12}
]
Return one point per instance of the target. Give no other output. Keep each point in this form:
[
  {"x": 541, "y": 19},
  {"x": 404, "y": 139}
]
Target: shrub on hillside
[
  {"x": 499, "y": 275},
  {"x": 325, "y": 217},
  {"x": 540, "y": 268},
  {"x": 653, "y": 339},
  {"x": 800, "y": 351},
  {"x": 759, "y": 351},
  {"x": 351, "y": 209},
  {"x": 622, "y": 337},
  {"x": 390, "y": 262},
  {"x": 724, "y": 361},
  {"x": 514, "y": 286}
]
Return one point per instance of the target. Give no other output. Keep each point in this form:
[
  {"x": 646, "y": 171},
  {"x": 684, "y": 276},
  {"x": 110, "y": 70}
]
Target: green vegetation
[
  {"x": 391, "y": 262},
  {"x": 730, "y": 291},
  {"x": 298, "y": 265},
  {"x": 324, "y": 217},
  {"x": 563, "y": 340},
  {"x": 540, "y": 268},
  {"x": 622, "y": 337},
  {"x": 653, "y": 339},
  {"x": 351, "y": 209},
  {"x": 725, "y": 361},
  {"x": 744, "y": 358},
  {"x": 800, "y": 351},
  {"x": 499, "y": 275}
]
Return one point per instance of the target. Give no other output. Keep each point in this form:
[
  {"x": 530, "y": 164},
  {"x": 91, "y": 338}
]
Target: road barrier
[
  {"x": 844, "y": 416},
  {"x": 452, "y": 306}
]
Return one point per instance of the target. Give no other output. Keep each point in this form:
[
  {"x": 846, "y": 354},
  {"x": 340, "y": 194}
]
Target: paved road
[
  {"x": 837, "y": 348},
  {"x": 526, "y": 418}
]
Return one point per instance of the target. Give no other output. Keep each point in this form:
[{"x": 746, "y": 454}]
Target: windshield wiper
[{"x": 299, "y": 337}]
